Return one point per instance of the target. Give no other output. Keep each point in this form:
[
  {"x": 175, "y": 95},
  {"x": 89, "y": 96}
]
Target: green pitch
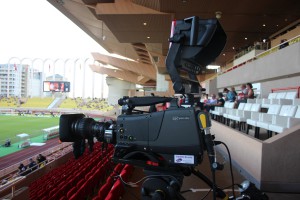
[{"x": 10, "y": 126}]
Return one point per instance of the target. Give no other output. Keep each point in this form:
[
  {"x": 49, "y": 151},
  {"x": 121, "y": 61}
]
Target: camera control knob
[
  {"x": 121, "y": 130},
  {"x": 130, "y": 138}
]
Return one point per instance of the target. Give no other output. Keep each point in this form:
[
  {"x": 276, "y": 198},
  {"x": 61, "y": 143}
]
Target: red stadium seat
[
  {"x": 118, "y": 168},
  {"x": 97, "y": 198},
  {"x": 80, "y": 183},
  {"x": 116, "y": 192},
  {"x": 129, "y": 168},
  {"x": 71, "y": 192},
  {"x": 125, "y": 175},
  {"x": 104, "y": 190}
]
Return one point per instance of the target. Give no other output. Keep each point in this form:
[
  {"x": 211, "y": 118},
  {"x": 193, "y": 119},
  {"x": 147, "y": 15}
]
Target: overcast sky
[{"x": 36, "y": 29}]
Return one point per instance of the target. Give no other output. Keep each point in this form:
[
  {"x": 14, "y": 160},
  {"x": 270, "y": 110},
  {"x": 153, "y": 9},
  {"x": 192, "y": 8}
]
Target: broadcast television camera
[{"x": 167, "y": 143}]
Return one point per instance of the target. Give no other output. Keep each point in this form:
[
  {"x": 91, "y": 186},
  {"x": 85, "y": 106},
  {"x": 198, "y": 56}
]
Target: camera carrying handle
[{"x": 142, "y": 101}]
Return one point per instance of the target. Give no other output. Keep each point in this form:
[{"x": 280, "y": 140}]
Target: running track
[{"x": 27, "y": 153}]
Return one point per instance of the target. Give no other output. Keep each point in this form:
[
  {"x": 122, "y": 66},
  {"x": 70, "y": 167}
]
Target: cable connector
[{"x": 217, "y": 166}]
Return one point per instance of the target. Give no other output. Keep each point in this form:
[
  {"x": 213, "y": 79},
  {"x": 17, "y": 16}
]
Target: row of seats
[
  {"x": 113, "y": 189},
  {"x": 277, "y": 119},
  {"x": 76, "y": 178},
  {"x": 242, "y": 113},
  {"x": 281, "y": 98}
]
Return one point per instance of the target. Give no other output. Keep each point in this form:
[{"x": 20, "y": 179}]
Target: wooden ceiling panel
[
  {"x": 124, "y": 75},
  {"x": 138, "y": 68},
  {"x": 153, "y": 4}
]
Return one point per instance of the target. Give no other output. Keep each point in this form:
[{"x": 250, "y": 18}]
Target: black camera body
[{"x": 166, "y": 138}]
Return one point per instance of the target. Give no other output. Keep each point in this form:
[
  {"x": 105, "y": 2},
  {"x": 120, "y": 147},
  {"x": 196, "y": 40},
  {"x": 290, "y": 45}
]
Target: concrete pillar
[
  {"x": 161, "y": 84},
  {"x": 211, "y": 86},
  {"x": 117, "y": 89}
]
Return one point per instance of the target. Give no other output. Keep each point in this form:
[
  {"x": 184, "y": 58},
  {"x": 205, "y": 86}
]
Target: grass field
[{"x": 10, "y": 126}]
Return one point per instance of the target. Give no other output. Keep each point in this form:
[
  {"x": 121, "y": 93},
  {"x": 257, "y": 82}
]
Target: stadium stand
[
  {"x": 10, "y": 102},
  {"x": 86, "y": 104},
  {"x": 36, "y": 102}
]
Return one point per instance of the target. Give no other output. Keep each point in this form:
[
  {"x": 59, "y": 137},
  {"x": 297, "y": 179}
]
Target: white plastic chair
[
  {"x": 291, "y": 95},
  {"x": 242, "y": 115},
  {"x": 281, "y": 99},
  {"x": 296, "y": 102},
  {"x": 232, "y": 111},
  {"x": 247, "y": 107},
  {"x": 266, "y": 118},
  {"x": 281, "y": 123},
  {"x": 266, "y": 102},
  {"x": 219, "y": 111},
  {"x": 251, "y": 100}
]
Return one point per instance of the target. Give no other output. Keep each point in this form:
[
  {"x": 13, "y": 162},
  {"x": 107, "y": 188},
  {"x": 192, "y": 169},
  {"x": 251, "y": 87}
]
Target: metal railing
[{"x": 263, "y": 54}]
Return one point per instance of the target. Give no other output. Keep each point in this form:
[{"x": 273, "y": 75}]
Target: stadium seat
[
  {"x": 281, "y": 123},
  {"x": 232, "y": 111},
  {"x": 71, "y": 192},
  {"x": 242, "y": 115},
  {"x": 104, "y": 190},
  {"x": 285, "y": 110},
  {"x": 116, "y": 191},
  {"x": 128, "y": 168},
  {"x": 80, "y": 183},
  {"x": 118, "y": 168},
  {"x": 219, "y": 111},
  {"x": 99, "y": 174},
  {"x": 97, "y": 198},
  {"x": 125, "y": 175},
  {"x": 63, "y": 198},
  {"x": 296, "y": 102},
  {"x": 266, "y": 118},
  {"x": 76, "y": 196},
  {"x": 282, "y": 98},
  {"x": 266, "y": 102},
  {"x": 291, "y": 95},
  {"x": 251, "y": 100}
]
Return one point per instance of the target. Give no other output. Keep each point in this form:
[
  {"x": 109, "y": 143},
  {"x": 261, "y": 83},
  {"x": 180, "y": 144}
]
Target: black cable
[
  {"x": 230, "y": 165},
  {"x": 238, "y": 185}
]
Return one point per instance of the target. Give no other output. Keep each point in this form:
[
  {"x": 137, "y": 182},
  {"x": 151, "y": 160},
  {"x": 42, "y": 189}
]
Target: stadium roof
[{"x": 140, "y": 29}]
